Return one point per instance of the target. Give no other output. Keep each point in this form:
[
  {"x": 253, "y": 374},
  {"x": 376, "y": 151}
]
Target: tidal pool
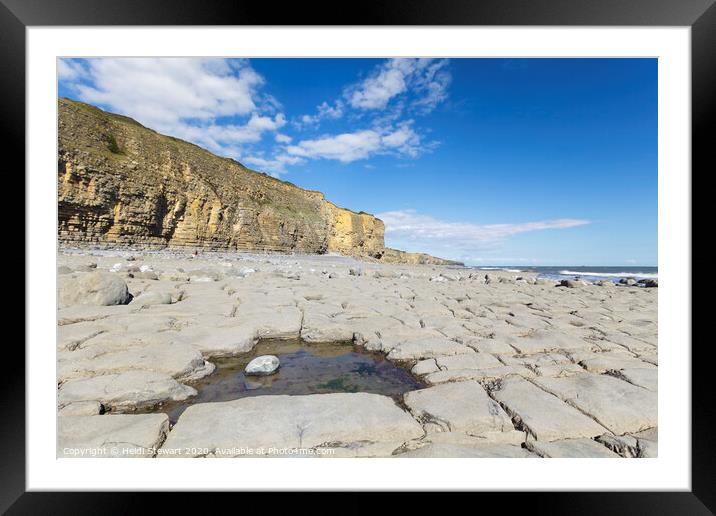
[{"x": 305, "y": 369}]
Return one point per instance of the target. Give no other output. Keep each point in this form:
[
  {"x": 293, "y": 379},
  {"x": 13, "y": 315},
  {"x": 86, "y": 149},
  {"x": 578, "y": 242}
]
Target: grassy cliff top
[{"x": 107, "y": 140}]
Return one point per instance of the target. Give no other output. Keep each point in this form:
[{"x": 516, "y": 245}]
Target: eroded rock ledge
[
  {"x": 122, "y": 184},
  {"x": 514, "y": 365}
]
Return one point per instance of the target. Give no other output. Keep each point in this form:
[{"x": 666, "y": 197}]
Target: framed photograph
[{"x": 422, "y": 246}]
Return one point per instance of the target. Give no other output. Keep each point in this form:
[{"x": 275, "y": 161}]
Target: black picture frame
[{"x": 700, "y": 15}]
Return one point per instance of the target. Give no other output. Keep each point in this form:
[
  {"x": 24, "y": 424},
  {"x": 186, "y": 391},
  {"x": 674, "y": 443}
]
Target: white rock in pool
[{"x": 265, "y": 364}]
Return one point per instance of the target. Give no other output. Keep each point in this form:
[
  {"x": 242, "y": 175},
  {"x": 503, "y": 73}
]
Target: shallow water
[{"x": 305, "y": 369}]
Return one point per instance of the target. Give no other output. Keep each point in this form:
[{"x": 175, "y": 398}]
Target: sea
[{"x": 586, "y": 272}]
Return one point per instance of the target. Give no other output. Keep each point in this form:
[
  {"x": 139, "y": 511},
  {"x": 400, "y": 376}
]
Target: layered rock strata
[{"x": 122, "y": 184}]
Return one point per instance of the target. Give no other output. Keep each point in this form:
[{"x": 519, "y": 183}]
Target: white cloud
[
  {"x": 416, "y": 231},
  {"x": 404, "y": 139},
  {"x": 348, "y": 147},
  {"x": 275, "y": 166},
  {"x": 324, "y": 110},
  {"x": 219, "y": 138},
  {"x": 182, "y": 97},
  {"x": 70, "y": 70},
  {"x": 418, "y": 84},
  {"x": 165, "y": 90},
  {"x": 428, "y": 79},
  {"x": 218, "y": 104},
  {"x": 376, "y": 91},
  {"x": 432, "y": 85},
  {"x": 327, "y": 111},
  {"x": 344, "y": 147}
]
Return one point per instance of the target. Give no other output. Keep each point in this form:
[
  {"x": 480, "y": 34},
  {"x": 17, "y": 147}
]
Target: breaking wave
[{"x": 630, "y": 274}]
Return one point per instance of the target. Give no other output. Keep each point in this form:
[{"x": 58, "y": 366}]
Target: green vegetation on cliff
[{"x": 120, "y": 183}]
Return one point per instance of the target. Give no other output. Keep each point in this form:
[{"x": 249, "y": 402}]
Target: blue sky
[{"x": 489, "y": 161}]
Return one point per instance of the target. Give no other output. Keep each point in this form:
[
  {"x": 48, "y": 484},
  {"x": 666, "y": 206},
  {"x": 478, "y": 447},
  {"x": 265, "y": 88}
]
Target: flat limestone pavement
[
  {"x": 513, "y": 365},
  {"x": 129, "y": 389},
  {"x": 463, "y": 406},
  {"x": 482, "y": 451},
  {"x": 545, "y": 417},
  {"x": 111, "y": 436},
  {"x": 619, "y": 406},
  {"x": 574, "y": 448},
  {"x": 267, "y": 425}
]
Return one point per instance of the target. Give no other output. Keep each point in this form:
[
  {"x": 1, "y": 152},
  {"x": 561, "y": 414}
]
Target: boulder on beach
[
  {"x": 152, "y": 298},
  {"x": 263, "y": 365},
  {"x": 94, "y": 288},
  {"x": 149, "y": 275}
]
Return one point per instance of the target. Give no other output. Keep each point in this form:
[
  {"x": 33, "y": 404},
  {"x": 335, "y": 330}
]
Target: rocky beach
[
  {"x": 506, "y": 364},
  {"x": 205, "y": 309}
]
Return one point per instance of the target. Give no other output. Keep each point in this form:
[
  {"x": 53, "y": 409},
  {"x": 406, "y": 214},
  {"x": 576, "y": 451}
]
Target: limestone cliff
[
  {"x": 394, "y": 256},
  {"x": 120, "y": 183}
]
